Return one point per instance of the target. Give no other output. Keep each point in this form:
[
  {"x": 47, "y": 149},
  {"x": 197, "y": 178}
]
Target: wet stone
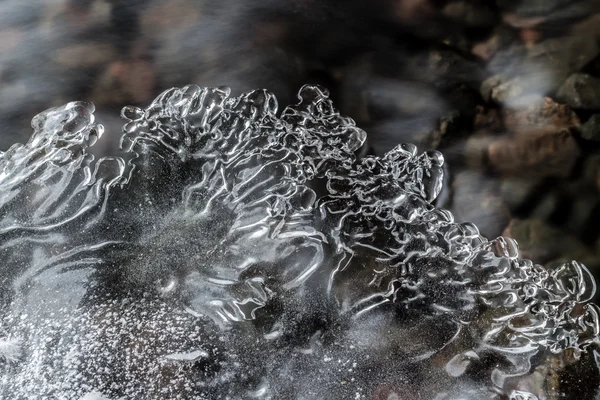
[
  {"x": 519, "y": 91},
  {"x": 469, "y": 13},
  {"x": 530, "y": 37},
  {"x": 590, "y": 130},
  {"x": 568, "y": 53},
  {"x": 447, "y": 69},
  {"x": 509, "y": 91},
  {"x": 491, "y": 83},
  {"x": 85, "y": 55},
  {"x": 131, "y": 81},
  {"x": 540, "y": 153},
  {"x": 488, "y": 119},
  {"x": 544, "y": 243},
  {"x": 581, "y": 91},
  {"x": 542, "y": 8},
  {"x": 545, "y": 115},
  {"x": 486, "y": 49},
  {"x": 508, "y": 60}
]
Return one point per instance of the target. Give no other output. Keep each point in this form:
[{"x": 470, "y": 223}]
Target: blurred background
[{"x": 508, "y": 90}]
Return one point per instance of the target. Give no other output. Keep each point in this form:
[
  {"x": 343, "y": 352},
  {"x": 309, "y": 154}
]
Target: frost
[
  {"x": 10, "y": 349},
  {"x": 192, "y": 356},
  {"x": 94, "y": 396},
  {"x": 235, "y": 251}
]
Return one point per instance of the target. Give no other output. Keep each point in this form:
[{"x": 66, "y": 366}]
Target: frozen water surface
[{"x": 235, "y": 252}]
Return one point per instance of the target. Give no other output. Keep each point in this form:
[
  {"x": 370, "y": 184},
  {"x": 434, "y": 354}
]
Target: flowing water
[{"x": 233, "y": 251}]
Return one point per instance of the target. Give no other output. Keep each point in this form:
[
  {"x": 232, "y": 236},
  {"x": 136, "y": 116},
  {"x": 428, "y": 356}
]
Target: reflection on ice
[{"x": 233, "y": 251}]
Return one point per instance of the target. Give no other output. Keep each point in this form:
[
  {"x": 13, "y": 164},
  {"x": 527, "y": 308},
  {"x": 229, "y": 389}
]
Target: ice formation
[{"x": 235, "y": 252}]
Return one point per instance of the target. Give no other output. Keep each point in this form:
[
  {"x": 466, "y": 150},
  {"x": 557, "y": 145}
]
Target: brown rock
[
  {"x": 589, "y": 27},
  {"x": 409, "y": 11},
  {"x": 75, "y": 17},
  {"x": 164, "y": 16},
  {"x": 552, "y": 60},
  {"x": 10, "y": 38},
  {"x": 537, "y": 153},
  {"x": 470, "y": 13},
  {"x": 517, "y": 21},
  {"x": 84, "y": 55},
  {"x": 486, "y": 49},
  {"x": 123, "y": 82},
  {"x": 545, "y": 116},
  {"x": 530, "y": 36},
  {"x": 475, "y": 149},
  {"x": 545, "y": 244}
]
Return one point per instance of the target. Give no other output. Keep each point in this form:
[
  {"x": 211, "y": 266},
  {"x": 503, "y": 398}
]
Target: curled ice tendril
[{"x": 235, "y": 251}]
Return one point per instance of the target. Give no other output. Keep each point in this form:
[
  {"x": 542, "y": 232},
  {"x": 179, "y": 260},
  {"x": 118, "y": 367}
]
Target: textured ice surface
[{"x": 234, "y": 252}]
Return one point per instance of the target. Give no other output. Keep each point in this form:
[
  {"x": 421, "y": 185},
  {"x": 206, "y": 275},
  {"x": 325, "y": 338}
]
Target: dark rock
[
  {"x": 450, "y": 130},
  {"x": 463, "y": 99},
  {"x": 543, "y": 243},
  {"x": 548, "y": 11},
  {"x": 487, "y": 119},
  {"x": 591, "y": 129},
  {"x": 447, "y": 68},
  {"x": 530, "y": 8},
  {"x": 591, "y": 170},
  {"x": 476, "y": 15},
  {"x": 581, "y": 91},
  {"x": 552, "y": 19},
  {"x": 516, "y": 21},
  {"x": 516, "y": 192}
]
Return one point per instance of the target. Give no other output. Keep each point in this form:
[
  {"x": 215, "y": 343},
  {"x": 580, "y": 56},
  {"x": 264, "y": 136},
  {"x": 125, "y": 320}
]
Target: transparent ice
[{"x": 234, "y": 252}]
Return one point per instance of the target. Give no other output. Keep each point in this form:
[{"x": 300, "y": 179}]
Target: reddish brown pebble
[
  {"x": 530, "y": 36},
  {"x": 487, "y": 49},
  {"x": 517, "y": 21},
  {"x": 546, "y": 244},
  {"x": 84, "y": 55},
  {"x": 540, "y": 153},
  {"x": 131, "y": 81},
  {"x": 547, "y": 116}
]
